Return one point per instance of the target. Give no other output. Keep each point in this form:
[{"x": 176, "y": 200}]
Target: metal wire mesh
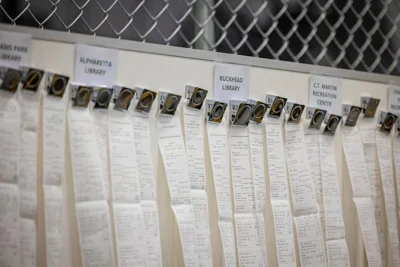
[{"x": 350, "y": 34}]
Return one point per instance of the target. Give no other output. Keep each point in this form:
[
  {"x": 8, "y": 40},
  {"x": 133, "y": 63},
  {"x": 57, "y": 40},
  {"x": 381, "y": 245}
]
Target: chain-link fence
[{"x": 351, "y": 34}]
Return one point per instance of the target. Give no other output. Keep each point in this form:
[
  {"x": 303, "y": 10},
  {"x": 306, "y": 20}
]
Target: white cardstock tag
[
  {"x": 95, "y": 65},
  {"x": 325, "y": 93},
  {"x": 394, "y": 100},
  {"x": 231, "y": 82},
  {"x": 15, "y": 49}
]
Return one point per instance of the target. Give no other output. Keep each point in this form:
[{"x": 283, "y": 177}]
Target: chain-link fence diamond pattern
[{"x": 351, "y": 34}]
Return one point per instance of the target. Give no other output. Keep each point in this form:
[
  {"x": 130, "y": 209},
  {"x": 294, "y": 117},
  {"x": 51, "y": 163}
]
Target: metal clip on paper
[
  {"x": 369, "y": 106},
  {"x": 56, "y": 84},
  {"x": 294, "y": 112},
  {"x": 168, "y": 103},
  {"x": 316, "y": 117},
  {"x": 240, "y": 113},
  {"x": 351, "y": 114},
  {"x": 144, "y": 100},
  {"x": 215, "y": 111},
  {"x": 101, "y": 97},
  {"x": 259, "y": 109},
  {"x": 386, "y": 121},
  {"x": 331, "y": 124},
  {"x": 81, "y": 95},
  {"x": 195, "y": 97},
  {"x": 398, "y": 128},
  {"x": 277, "y": 105},
  {"x": 10, "y": 79},
  {"x": 31, "y": 78},
  {"x": 123, "y": 97}
]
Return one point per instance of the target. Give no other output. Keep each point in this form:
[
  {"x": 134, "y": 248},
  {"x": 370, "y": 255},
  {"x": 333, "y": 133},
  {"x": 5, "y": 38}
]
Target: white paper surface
[
  {"x": 172, "y": 150},
  {"x": 384, "y": 146},
  {"x": 15, "y": 49},
  {"x": 367, "y": 128},
  {"x": 86, "y": 167},
  {"x": 129, "y": 235},
  {"x": 336, "y": 246},
  {"x": 248, "y": 246},
  {"x": 29, "y": 102},
  {"x": 95, "y": 65},
  {"x": 256, "y": 137},
  {"x": 9, "y": 138},
  {"x": 95, "y": 234},
  {"x": 148, "y": 198},
  {"x": 231, "y": 82},
  {"x": 9, "y": 225},
  {"x": 396, "y": 155},
  {"x": 279, "y": 194},
  {"x": 92, "y": 209},
  {"x": 358, "y": 171},
  {"x": 128, "y": 214},
  {"x": 194, "y": 143},
  {"x": 100, "y": 119},
  {"x": 325, "y": 93},
  {"x": 220, "y": 163},
  {"x": 307, "y": 220},
  {"x": 54, "y": 119}
]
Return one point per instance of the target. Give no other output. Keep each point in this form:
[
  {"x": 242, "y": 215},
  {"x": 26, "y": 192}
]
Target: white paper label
[
  {"x": 325, "y": 93},
  {"x": 15, "y": 49},
  {"x": 394, "y": 100},
  {"x": 231, "y": 82},
  {"x": 95, "y": 65}
]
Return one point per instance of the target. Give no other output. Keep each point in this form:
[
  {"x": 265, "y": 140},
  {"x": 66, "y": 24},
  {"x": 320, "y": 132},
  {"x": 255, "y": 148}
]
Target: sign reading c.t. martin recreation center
[{"x": 325, "y": 93}]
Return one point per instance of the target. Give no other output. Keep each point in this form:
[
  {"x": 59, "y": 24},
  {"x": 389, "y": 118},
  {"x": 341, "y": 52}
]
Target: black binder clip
[
  {"x": 10, "y": 79},
  {"x": 386, "y": 121},
  {"x": 277, "y": 105},
  {"x": 145, "y": 99},
  {"x": 81, "y": 95},
  {"x": 240, "y": 113},
  {"x": 168, "y": 103},
  {"x": 259, "y": 109},
  {"x": 123, "y": 97},
  {"x": 316, "y": 117},
  {"x": 295, "y": 111},
  {"x": 215, "y": 111},
  {"x": 369, "y": 106},
  {"x": 56, "y": 84},
  {"x": 102, "y": 97},
  {"x": 31, "y": 78},
  {"x": 351, "y": 113},
  {"x": 195, "y": 97},
  {"x": 331, "y": 124}
]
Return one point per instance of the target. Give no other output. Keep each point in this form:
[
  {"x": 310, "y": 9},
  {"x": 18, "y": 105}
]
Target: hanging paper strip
[
  {"x": 30, "y": 102},
  {"x": 148, "y": 189},
  {"x": 172, "y": 150},
  {"x": 127, "y": 210},
  {"x": 306, "y": 217},
  {"x": 367, "y": 128},
  {"x": 256, "y": 137},
  {"x": 279, "y": 194},
  {"x": 336, "y": 246},
  {"x": 54, "y": 121},
  {"x": 194, "y": 141},
  {"x": 385, "y": 156},
  {"x": 92, "y": 210},
  {"x": 247, "y": 243},
  {"x": 356, "y": 164},
  {"x": 219, "y": 154},
  {"x": 10, "y": 121}
]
